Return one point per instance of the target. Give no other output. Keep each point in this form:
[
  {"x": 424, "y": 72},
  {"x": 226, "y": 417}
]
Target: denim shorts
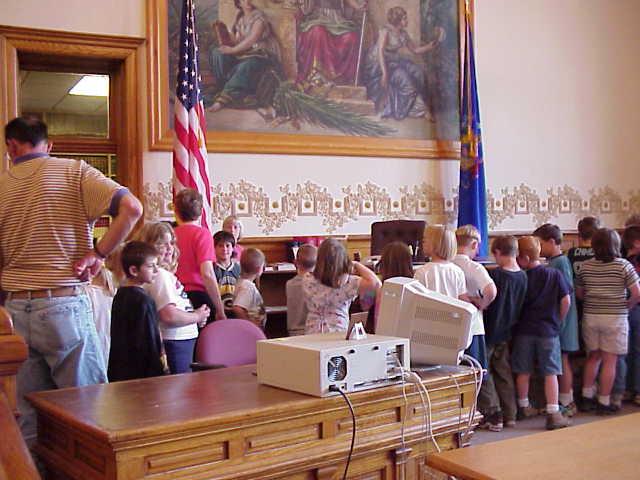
[{"x": 536, "y": 354}]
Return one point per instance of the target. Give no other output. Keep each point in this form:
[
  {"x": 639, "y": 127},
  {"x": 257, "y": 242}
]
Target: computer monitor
[{"x": 438, "y": 326}]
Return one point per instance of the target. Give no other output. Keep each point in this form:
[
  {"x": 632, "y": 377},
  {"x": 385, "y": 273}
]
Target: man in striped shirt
[{"x": 48, "y": 207}]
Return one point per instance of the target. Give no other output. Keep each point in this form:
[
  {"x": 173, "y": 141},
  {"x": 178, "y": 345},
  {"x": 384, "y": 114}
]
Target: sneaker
[
  {"x": 492, "y": 422},
  {"x": 616, "y": 399},
  {"x": 627, "y": 396},
  {"x": 557, "y": 420},
  {"x": 569, "y": 410},
  {"x": 510, "y": 423},
  {"x": 526, "y": 412},
  {"x": 606, "y": 409},
  {"x": 587, "y": 404},
  {"x": 636, "y": 399}
]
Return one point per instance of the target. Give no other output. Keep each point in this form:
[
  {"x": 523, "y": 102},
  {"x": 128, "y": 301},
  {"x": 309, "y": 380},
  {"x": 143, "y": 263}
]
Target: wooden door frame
[{"x": 121, "y": 52}]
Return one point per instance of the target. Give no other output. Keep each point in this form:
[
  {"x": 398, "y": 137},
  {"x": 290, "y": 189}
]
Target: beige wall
[{"x": 559, "y": 109}]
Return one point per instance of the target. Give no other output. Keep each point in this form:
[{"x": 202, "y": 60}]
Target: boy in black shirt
[
  {"x": 498, "y": 392},
  {"x": 136, "y": 346}
]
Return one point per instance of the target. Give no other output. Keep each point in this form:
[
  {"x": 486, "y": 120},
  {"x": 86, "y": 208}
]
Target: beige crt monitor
[{"x": 438, "y": 326}]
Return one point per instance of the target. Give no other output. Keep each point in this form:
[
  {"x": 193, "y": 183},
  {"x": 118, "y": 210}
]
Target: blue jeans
[
  {"x": 64, "y": 350},
  {"x": 179, "y": 354},
  {"x": 628, "y": 370}
]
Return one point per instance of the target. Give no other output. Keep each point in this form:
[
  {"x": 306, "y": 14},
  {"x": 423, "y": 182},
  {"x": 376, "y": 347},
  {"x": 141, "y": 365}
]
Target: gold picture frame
[{"x": 230, "y": 141}]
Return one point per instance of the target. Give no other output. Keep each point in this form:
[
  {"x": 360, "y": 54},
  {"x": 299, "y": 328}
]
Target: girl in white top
[
  {"x": 440, "y": 274},
  {"x": 178, "y": 320},
  {"x": 330, "y": 289}
]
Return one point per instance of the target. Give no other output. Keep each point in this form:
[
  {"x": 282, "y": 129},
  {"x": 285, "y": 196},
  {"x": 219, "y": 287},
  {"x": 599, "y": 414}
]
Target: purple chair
[{"x": 227, "y": 343}]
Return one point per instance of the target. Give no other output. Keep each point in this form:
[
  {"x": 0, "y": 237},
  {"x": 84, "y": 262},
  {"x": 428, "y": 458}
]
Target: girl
[
  {"x": 330, "y": 289},
  {"x": 602, "y": 283},
  {"x": 177, "y": 318},
  {"x": 233, "y": 225},
  {"x": 441, "y": 274},
  {"x": 396, "y": 261}
]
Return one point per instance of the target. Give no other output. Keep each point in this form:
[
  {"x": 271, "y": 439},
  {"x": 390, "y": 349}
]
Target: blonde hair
[
  {"x": 251, "y": 261},
  {"x": 440, "y": 241},
  {"x": 332, "y": 264},
  {"x": 467, "y": 234},
  {"x": 529, "y": 246},
  {"x": 230, "y": 220},
  {"x": 152, "y": 232}
]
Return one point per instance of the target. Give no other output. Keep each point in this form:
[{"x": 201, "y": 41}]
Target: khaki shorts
[{"x": 608, "y": 333}]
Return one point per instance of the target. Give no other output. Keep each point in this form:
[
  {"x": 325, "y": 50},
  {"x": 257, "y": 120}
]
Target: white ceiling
[{"x": 49, "y": 92}]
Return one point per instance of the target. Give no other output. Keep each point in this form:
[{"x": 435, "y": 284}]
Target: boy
[
  {"x": 296, "y": 307},
  {"x": 247, "y": 301},
  {"x": 499, "y": 319},
  {"x": 576, "y": 255},
  {"x": 227, "y": 271},
  {"x": 537, "y": 332},
  {"x": 631, "y": 240},
  {"x": 550, "y": 238},
  {"x": 480, "y": 287},
  {"x": 481, "y": 291},
  {"x": 136, "y": 346}
]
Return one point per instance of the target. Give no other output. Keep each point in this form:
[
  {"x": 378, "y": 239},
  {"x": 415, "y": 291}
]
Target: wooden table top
[
  {"x": 136, "y": 409},
  {"x": 594, "y": 451}
]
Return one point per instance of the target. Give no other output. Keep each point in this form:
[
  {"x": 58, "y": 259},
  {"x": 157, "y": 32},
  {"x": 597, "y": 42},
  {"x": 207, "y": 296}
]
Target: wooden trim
[
  {"x": 161, "y": 136},
  {"x": 120, "y": 53}
]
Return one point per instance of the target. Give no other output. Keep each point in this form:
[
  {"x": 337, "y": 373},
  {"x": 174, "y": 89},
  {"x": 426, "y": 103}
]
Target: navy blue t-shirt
[{"x": 540, "y": 312}]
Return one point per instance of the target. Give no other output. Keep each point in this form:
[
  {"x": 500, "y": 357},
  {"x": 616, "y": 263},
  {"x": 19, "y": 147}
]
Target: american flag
[{"x": 190, "y": 168}]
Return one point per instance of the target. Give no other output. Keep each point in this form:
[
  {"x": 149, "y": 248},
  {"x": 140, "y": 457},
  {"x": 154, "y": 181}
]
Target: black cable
[{"x": 334, "y": 388}]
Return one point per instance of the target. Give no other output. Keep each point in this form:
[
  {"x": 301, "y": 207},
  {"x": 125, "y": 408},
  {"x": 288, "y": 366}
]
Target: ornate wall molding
[
  {"x": 309, "y": 199},
  {"x": 359, "y": 201}
]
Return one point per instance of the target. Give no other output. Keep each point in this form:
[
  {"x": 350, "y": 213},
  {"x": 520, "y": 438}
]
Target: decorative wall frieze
[
  {"x": 363, "y": 200},
  {"x": 308, "y": 199},
  {"x": 558, "y": 202}
]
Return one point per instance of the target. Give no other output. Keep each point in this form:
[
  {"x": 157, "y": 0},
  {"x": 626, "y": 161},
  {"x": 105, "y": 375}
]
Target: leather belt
[{"x": 46, "y": 293}]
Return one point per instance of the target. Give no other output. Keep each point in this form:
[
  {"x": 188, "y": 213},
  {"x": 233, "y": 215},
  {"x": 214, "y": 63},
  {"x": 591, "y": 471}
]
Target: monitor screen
[{"x": 438, "y": 326}]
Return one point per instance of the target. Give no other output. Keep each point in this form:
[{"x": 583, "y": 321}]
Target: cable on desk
[{"x": 334, "y": 388}]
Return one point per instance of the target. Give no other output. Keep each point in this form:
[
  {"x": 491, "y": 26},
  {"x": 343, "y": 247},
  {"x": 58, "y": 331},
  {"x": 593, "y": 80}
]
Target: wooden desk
[
  {"x": 222, "y": 424},
  {"x": 595, "y": 451}
]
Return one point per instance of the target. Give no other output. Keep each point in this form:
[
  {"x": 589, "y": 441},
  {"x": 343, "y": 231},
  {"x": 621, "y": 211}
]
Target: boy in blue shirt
[
  {"x": 226, "y": 270},
  {"x": 537, "y": 332},
  {"x": 550, "y": 238},
  {"x": 499, "y": 319}
]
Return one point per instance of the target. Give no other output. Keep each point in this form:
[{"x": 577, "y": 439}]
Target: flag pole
[{"x": 364, "y": 18}]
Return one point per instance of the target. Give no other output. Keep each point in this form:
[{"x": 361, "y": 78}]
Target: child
[
  {"x": 440, "y": 274},
  {"x": 631, "y": 239},
  {"x": 331, "y": 289},
  {"x": 395, "y": 261},
  {"x": 227, "y": 271},
  {"x": 537, "y": 333},
  {"x": 306, "y": 257},
  {"x": 481, "y": 291},
  {"x": 136, "y": 346},
  {"x": 550, "y": 238},
  {"x": 499, "y": 318},
  {"x": 233, "y": 225},
  {"x": 576, "y": 255},
  {"x": 178, "y": 320},
  {"x": 602, "y": 283},
  {"x": 101, "y": 291},
  {"x": 247, "y": 301}
]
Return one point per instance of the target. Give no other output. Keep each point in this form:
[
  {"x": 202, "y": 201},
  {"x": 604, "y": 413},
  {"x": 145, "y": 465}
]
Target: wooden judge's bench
[{"x": 222, "y": 424}]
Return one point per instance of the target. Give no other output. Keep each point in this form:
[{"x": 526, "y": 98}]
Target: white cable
[
  {"x": 415, "y": 378},
  {"x": 478, "y": 374}
]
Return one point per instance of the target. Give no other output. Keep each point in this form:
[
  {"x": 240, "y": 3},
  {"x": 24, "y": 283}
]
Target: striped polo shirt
[
  {"x": 47, "y": 210},
  {"x": 605, "y": 285}
]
